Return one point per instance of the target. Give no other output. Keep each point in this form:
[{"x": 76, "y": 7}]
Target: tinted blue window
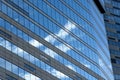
[
  {"x": 8, "y": 45},
  {"x": 26, "y": 7},
  {"x": 37, "y": 62},
  {"x": 16, "y": 1},
  {"x": 20, "y": 52},
  {"x": 21, "y": 3},
  {"x": 0, "y": 5},
  {"x": 36, "y": 15},
  {"x": 8, "y": 26},
  {"x": 21, "y": 73},
  {"x": 26, "y": 56},
  {"x": 9, "y": 12},
  {"x": 15, "y": 16},
  {"x": 15, "y": 69},
  {"x": 2, "y": 63},
  {"x": 25, "y": 37},
  {"x": 14, "y": 30},
  {"x": 31, "y": 14},
  {"x": 32, "y": 59},
  {"x": 43, "y": 65},
  {"x": 40, "y": 19},
  {"x": 32, "y": 27},
  {"x": 14, "y": 49},
  {"x": 8, "y": 66},
  {"x": 4, "y": 8},
  {"x": 2, "y": 42},
  {"x": 37, "y": 30},
  {"x": 20, "y": 33},
  {"x": 1, "y": 22},
  {"x": 21, "y": 18}
]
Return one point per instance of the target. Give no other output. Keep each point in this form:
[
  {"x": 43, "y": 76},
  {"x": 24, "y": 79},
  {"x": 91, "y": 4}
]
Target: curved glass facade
[{"x": 65, "y": 39}]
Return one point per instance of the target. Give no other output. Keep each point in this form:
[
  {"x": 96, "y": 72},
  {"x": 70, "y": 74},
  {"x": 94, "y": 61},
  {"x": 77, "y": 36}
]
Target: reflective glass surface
[{"x": 74, "y": 27}]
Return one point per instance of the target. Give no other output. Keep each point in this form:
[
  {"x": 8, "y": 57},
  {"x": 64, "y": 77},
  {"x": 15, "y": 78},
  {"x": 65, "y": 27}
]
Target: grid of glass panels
[{"x": 17, "y": 70}]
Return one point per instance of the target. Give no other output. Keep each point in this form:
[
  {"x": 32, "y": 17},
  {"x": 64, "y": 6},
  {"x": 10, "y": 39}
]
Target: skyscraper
[
  {"x": 112, "y": 23},
  {"x": 53, "y": 40}
]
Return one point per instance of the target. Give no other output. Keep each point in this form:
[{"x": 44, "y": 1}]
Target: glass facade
[
  {"x": 63, "y": 38},
  {"x": 112, "y": 23}
]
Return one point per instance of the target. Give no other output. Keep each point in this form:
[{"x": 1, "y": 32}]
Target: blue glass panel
[
  {"x": 20, "y": 33},
  {"x": 27, "y": 23},
  {"x": 32, "y": 27},
  {"x": 15, "y": 69},
  {"x": 9, "y": 12},
  {"x": 2, "y": 23},
  {"x": 4, "y": 8},
  {"x": 8, "y": 66},
  {"x": 20, "y": 52},
  {"x": 8, "y": 45},
  {"x": 21, "y": 73},
  {"x": 2, "y": 63},
  {"x": 14, "y": 30},
  {"x": 25, "y": 37},
  {"x": 26, "y": 56},
  {"x": 21, "y": 20},
  {"x": 32, "y": 59},
  {"x": 14, "y": 49}
]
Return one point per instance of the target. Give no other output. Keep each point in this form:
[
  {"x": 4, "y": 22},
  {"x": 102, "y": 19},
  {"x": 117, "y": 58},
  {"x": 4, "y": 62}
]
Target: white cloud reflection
[
  {"x": 50, "y": 52},
  {"x": 35, "y": 43},
  {"x": 100, "y": 62},
  {"x": 62, "y": 34},
  {"x": 87, "y": 65},
  {"x": 70, "y": 66},
  {"x": 49, "y": 38},
  {"x": 58, "y": 74},
  {"x": 63, "y": 47},
  {"x": 29, "y": 76},
  {"x": 69, "y": 26}
]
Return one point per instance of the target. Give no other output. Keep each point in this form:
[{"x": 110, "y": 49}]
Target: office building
[
  {"x": 112, "y": 23},
  {"x": 53, "y": 40}
]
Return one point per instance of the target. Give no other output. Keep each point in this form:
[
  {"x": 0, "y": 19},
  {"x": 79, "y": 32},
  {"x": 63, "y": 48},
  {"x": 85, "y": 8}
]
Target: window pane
[
  {"x": 2, "y": 63},
  {"x": 4, "y": 8},
  {"x": 32, "y": 77},
  {"x": 26, "y": 23},
  {"x": 8, "y": 66},
  {"x": 8, "y": 26},
  {"x": 32, "y": 59},
  {"x": 15, "y": 69},
  {"x": 43, "y": 65},
  {"x": 37, "y": 62},
  {"x": 2, "y": 42},
  {"x": 14, "y": 49},
  {"x": 15, "y": 16},
  {"x": 26, "y": 7},
  {"x": 37, "y": 30},
  {"x": 1, "y": 22},
  {"x": 9, "y": 12},
  {"x": 20, "y": 33},
  {"x": 27, "y": 76},
  {"x": 31, "y": 26},
  {"x": 21, "y": 73},
  {"x": 13, "y": 29},
  {"x": 26, "y": 56},
  {"x": 8, "y": 45},
  {"x": 20, "y": 52},
  {"x": 21, "y": 20},
  {"x": 25, "y": 37},
  {"x": 0, "y": 9}
]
